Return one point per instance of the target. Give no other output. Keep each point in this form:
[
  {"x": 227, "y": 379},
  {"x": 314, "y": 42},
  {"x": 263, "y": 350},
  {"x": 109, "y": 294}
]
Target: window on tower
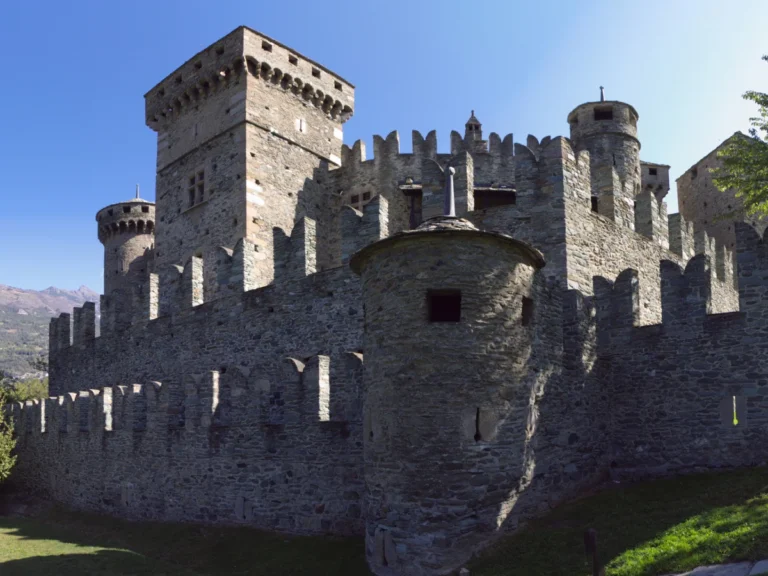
[{"x": 196, "y": 190}]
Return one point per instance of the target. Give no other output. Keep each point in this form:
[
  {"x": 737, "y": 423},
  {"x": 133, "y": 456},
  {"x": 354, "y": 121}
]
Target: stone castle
[{"x": 296, "y": 337}]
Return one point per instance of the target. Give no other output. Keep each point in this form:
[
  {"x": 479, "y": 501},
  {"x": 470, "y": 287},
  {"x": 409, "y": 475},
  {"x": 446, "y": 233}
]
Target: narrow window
[
  {"x": 337, "y": 85},
  {"x": 266, "y": 46},
  {"x": 145, "y": 209},
  {"x": 366, "y": 195},
  {"x": 694, "y": 172},
  {"x": 293, "y": 60},
  {"x": 127, "y": 209},
  {"x": 478, "y": 436},
  {"x": 594, "y": 203},
  {"x": 355, "y": 199},
  {"x": 653, "y": 171},
  {"x": 200, "y": 186},
  {"x": 603, "y": 113},
  {"x": 315, "y": 72},
  {"x": 191, "y": 191},
  {"x": 444, "y": 305},
  {"x": 527, "y": 316}
]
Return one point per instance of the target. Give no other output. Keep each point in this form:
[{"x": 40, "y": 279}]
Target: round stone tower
[
  {"x": 608, "y": 129},
  {"x": 450, "y": 342},
  {"x": 127, "y": 230}
]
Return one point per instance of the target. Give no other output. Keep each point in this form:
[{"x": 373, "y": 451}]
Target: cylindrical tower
[
  {"x": 127, "y": 230},
  {"x": 608, "y": 130},
  {"x": 450, "y": 359}
]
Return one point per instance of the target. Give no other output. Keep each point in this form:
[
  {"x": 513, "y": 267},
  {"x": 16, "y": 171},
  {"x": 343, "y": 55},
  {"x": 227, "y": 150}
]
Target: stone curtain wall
[
  {"x": 220, "y": 447},
  {"x": 673, "y": 386}
]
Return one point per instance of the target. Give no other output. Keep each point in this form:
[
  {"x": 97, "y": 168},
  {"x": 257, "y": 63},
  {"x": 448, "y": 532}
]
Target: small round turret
[
  {"x": 127, "y": 230},
  {"x": 608, "y": 130}
]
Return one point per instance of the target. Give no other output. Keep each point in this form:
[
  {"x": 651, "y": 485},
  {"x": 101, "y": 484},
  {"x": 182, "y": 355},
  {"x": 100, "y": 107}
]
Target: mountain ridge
[{"x": 24, "y": 317}]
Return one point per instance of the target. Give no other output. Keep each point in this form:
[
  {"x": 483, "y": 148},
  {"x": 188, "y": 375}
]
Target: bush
[
  {"x": 27, "y": 390},
  {"x": 7, "y": 442}
]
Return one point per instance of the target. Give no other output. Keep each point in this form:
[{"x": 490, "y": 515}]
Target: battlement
[
  {"x": 688, "y": 296},
  {"x": 316, "y": 389},
  {"x": 247, "y": 51},
  {"x": 387, "y": 148},
  {"x": 134, "y": 216}
]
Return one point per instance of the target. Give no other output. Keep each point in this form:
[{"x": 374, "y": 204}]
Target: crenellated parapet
[
  {"x": 242, "y": 52},
  {"x": 358, "y": 229}
]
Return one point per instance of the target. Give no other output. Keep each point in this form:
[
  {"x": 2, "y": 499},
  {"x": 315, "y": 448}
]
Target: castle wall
[
  {"x": 600, "y": 246},
  {"x": 702, "y": 203},
  {"x": 690, "y": 393},
  {"x": 283, "y": 362}
]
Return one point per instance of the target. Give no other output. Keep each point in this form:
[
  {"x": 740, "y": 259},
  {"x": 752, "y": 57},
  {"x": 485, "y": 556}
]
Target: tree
[
  {"x": 7, "y": 442},
  {"x": 39, "y": 363},
  {"x": 745, "y": 160}
]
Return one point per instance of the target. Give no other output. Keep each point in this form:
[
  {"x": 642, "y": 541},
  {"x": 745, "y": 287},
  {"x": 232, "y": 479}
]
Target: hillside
[{"x": 24, "y": 316}]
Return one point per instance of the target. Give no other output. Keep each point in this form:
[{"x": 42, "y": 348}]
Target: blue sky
[{"x": 74, "y": 139}]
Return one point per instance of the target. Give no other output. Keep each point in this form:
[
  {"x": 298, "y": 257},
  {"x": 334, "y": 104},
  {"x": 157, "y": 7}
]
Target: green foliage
[
  {"x": 7, "y": 442},
  {"x": 745, "y": 160},
  {"x": 30, "y": 389},
  {"x": 39, "y": 363}
]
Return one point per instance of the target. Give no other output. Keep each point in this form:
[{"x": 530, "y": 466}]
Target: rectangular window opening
[
  {"x": 337, "y": 85},
  {"x": 366, "y": 195},
  {"x": 593, "y": 204},
  {"x": 266, "y": 46},
  {"x": 527, "y": 316},
  {"x": 653, "y": 171},
  {"x": 127, "y": 209},
  {"x": 603, "y": 113},
  {"x": 315, "y": 72},
  {"x": 444, "y": 305},
  {"x": 355, "y": 199},
  {"x": 293, "y": 60},
  {"x": 491, "y": 198}
]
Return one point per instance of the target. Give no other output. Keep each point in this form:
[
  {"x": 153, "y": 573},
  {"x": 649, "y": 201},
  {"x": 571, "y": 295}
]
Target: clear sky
[{"x": 73, "y": 136}]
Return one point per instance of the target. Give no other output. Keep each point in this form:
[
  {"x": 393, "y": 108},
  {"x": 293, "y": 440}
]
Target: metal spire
[
  {"x": 137, "y": 192},
  {"x": 449, "y": 203},
  {"x": 602, "y": 94}
]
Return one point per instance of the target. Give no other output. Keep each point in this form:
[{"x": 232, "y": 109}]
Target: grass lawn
[
  {"x": 669, "y": 525},
  {"x": 643, "y": 530}
]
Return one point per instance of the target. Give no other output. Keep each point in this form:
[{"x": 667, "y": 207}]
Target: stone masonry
[{"x": 295, "y": 338}]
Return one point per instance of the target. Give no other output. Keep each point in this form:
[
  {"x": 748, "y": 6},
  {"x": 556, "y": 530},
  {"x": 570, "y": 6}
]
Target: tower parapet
[
  {"x": 127, "y": 231},
  {"x": 609, "y": 131}
]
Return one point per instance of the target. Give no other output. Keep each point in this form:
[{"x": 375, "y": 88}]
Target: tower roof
[{"x": 473, "y": 120}]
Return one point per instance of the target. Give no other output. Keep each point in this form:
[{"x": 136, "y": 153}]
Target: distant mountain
[{"x": 24, "y": 316}]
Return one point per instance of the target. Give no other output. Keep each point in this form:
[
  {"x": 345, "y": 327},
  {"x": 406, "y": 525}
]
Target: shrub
[{"x": 7, "y": 442}]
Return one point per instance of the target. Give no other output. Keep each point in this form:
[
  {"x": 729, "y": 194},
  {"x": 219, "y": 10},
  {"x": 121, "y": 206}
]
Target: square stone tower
[{"x": 243, "y": 129}]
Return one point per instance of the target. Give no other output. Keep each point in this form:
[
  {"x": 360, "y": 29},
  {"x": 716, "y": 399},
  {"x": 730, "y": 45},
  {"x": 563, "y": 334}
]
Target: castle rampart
[{"x": 228, "y": 384}]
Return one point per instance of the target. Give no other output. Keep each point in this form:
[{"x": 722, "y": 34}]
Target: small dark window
[
  {"x": 478, "y": 435},
  {"x": 127, "y": 209},
  {"x": 594, "y": 203},
  {"x": 355, "y": 199},
  {"x": 491, "y": 198},
  {"x": 694, "y": 172},
  {"x": 266, "y": 46},
  {"x": 527, "y": 311},
  {"x": 315, "y": 72},
  {"x": 145, "y": 209},
  {"x": 337, "y": 85},
  {"x": 444, "y": 305},
  {"x": 292, "y": 59},
  {"x": 603, "y": 113},
  {"x": 653, "y": 171},
  {"x": 366, "y": 195},
  {"x": 109, "y": 212}
]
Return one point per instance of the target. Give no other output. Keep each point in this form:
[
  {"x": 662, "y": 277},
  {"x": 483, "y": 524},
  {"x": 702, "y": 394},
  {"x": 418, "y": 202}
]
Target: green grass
[
  {"x": 643, "y": 530},
  {"x": 653, "y": 528},
  {"x": 66, "y": 543}
]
